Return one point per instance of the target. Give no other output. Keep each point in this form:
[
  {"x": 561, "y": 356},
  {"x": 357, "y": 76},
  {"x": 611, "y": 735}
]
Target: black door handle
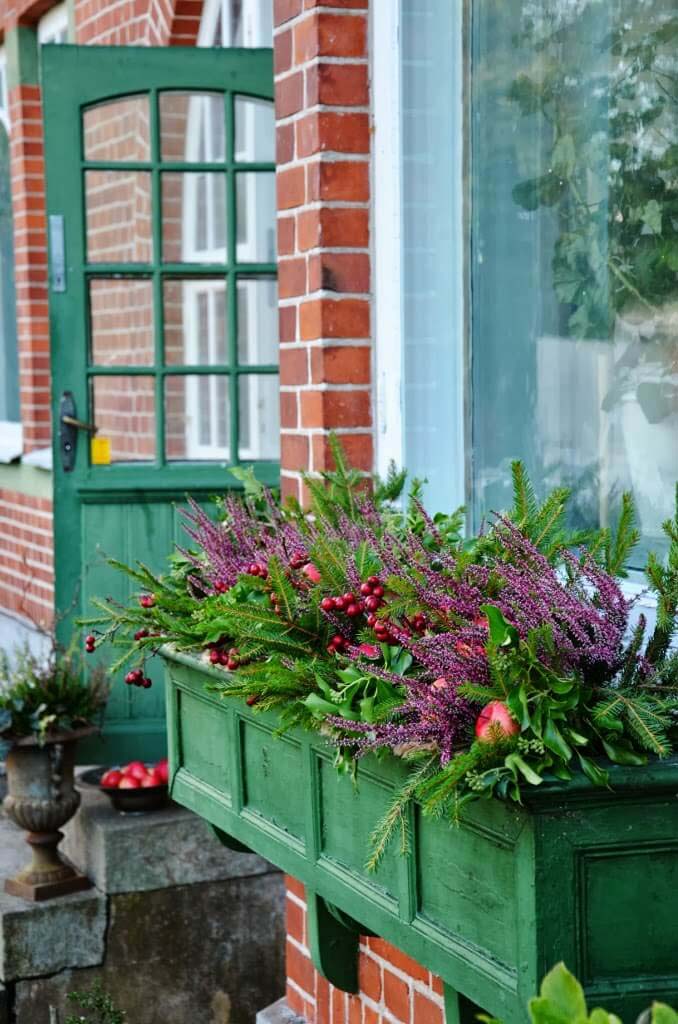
[{"x": 69, "y": 425}]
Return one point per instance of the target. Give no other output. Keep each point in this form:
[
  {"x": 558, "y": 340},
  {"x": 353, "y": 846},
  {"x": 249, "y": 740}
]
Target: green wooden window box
[{"x": 589, "y": 876}]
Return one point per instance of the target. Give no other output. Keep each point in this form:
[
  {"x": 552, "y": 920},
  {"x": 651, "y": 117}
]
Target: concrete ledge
[
  {"x": 142, "y": 852},
  {"x": 279, "y": 1013},
  {"x": 42, "y": 938}
]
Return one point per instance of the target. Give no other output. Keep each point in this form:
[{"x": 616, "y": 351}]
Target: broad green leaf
[
  {"x": 516, "y": 763},
  {"x": 663, "y": 1014},
  {"x": 599, "y": 1016},
  {"x": 502, "y": 634},
  {"x": 553, "y": 739},
  {"x": 621, "y": 754},
  {"x": 652, "y": 216},
  {"x": 597, "y": 775},
  {"x": 563, "y": 993}
]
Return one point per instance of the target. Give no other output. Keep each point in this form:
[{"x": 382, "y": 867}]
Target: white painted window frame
[
  {"x": 257, "y": 24},
  {"x": 11, "y": 431},
  {"x": 387, "y": 190},
  {"x": 53, "y": 27}
]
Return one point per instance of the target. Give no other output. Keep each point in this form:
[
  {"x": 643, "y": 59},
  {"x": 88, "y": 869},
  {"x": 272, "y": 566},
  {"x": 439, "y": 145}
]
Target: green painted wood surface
[
  {"x": 581, "y": 874},
  {"x": 129, "y": 511}
]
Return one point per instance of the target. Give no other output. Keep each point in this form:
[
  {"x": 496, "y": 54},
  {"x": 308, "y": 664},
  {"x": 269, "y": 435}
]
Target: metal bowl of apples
[{"x": 133, "y": 788}]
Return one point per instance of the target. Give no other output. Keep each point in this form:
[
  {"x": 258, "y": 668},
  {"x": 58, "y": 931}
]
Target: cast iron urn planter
[{"x": 41, "y": 797}]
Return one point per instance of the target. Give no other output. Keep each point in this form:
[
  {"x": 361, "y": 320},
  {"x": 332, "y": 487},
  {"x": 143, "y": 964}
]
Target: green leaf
[
  {"x": 597, "y": 775},
  {"x": 502, "y": 634},
  {"x": 561, "y": 999},
  {"x": 618, "y": 753},
  {"x": 663, "y": 1014},
  {"x": 652, "y": 216},
  {"x": 554, "y": 740},
  {"x": 515, "y": 762}
]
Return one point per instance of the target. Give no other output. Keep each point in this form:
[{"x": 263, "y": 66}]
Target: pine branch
[{"x": 396, "y": 816}]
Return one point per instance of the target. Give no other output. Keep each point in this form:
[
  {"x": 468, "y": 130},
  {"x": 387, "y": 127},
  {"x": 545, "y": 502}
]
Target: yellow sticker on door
[{"x": 100, "y": 451}]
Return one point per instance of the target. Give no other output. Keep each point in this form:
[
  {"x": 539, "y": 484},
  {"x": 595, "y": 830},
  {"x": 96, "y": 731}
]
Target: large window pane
[{"x": 574, "y": 251}]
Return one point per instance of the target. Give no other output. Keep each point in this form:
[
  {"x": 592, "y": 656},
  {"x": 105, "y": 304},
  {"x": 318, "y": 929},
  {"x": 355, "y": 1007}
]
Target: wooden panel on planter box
[
  {"x": 203, "y": 743},
  {"x": 275, "y": 781},
  {"x": 348, "y": 814},
  {"x": 466, "y": 876},
  {"x": 614, "y": 908}
]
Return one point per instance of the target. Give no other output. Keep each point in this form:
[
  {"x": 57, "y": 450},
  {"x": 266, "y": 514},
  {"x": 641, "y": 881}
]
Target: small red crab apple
[
  {"x": 495, "y": 719},
  {"x": 147, "y": 600}
]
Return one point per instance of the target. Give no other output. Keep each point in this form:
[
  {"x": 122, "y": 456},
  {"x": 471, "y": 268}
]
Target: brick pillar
[
  {"x": 393, "y": 987},
  {"x": 323, "y": 154},
  {"x": 30, "y": 245}
]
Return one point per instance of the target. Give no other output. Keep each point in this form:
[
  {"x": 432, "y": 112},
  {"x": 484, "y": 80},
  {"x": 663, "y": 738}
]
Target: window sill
[{"x": 11, "y": 441}]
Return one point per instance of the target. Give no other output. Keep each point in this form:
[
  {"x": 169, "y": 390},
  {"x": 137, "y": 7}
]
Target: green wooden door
[{"x": 163, "y": 312}]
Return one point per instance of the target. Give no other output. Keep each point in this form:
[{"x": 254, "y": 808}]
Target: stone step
[{"x": 279, "y": 1013}]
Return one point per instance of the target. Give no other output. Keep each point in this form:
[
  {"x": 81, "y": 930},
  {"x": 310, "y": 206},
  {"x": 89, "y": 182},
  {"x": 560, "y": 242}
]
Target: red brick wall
[
  {"x": 392, "y": 986},
  {"x": 26, "y": 566},
  {"x": 323, "y": 150}
]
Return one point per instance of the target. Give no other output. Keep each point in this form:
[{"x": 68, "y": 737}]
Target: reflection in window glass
[
  {"x": 257, "y": 320},
  {"x": 118, "y": 130},
  {"x": 197, "y": 417},
  {"x": 121, "y": 321},
  {"x": 192, "y": 127},
  {"x": 194, "y": 217},
  {"x": 254, "y": 130},
  {"x": 256, "y": 210},
  {"x": 124, "y": 412},
  {"x": 259, "y": 416},
  {"x": 195, "y": 321},
  {"x": 574, "y": 238},
  {"x": 236, "y": 23},
  {"x": 118, "y": 213}
]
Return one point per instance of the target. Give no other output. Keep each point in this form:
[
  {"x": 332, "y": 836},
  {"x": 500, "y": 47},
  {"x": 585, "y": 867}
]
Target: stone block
[
  {"x": 41, "y": 938},
  {"x": 279, "y": 1013},
  {"x": 210, "y": 953},
  {"x": 139, "y": 852}
]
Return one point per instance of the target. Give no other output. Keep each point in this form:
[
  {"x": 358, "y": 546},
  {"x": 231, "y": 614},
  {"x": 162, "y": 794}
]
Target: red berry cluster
[
  {"x": 256, "y": 569},
  {"x": 147, "y": 600},
  {"x": 90, "y": 643},
  {"x": 230, "y": 658},
  {"x": 220, "y": 587},
  {"x": 137, "y": 678},
  {"x": 141, "y": 633},
  {"x": 298, "y": 560},
  {"x": 337, "y": 645},
  {"x": 418, "y": 622}
]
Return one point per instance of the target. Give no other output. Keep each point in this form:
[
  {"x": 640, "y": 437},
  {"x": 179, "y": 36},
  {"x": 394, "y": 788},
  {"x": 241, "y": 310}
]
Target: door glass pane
[
  {"x": 259, "y": 416},
  {"x": 121, "y": 321},
  {"x": 124, "y": 412},
  {"x": 197, "y": 417},
  {"x": 195, "y": 321},
  {"x": 192, "y": 126},
  {"x": 257, "y": 320},
  {"x": 118, "y": 130},
  {"x": 254, "y": 130},
  {"x": 574, "y": 236},
  {"x": 118, "y": 214},
  {"x": 255, "y": 202},
  {"x": 194, "y": 217}
]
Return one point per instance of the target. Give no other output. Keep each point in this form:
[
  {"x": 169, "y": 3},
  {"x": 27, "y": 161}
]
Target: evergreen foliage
[{"x": 388, "y": 630}]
